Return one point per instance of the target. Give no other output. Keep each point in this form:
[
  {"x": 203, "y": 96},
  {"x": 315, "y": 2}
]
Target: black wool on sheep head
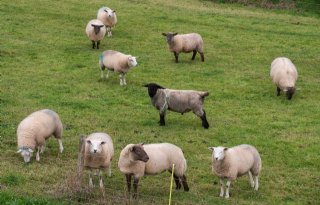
[
  {"x": 290, "y": 92},
  {"x": 153, "y": 88},
  {"x": 139, "y": 153},
  {"x": 97, "y": 28},
  {"x": 169, "y": 36}
]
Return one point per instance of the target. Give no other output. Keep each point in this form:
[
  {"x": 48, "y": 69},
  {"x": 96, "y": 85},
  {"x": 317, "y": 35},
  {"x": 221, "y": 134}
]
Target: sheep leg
[
  {"x": 109, "y": 171},
  {"x": 162, "y": 121},
  {"x": 128, "y": 177},
  {"x": 121, "y": 79},
  {"x": 185, "y": 184},
  {"x": 256, "y": 183},
  {"x": 203, "y": 118},
  {"x": 98, "y": 43},
  {"x": 202, "y": 57},
  {"x": 176, "y": 55},
  {"x": 250, "y": 179},
  {"x": 60, "y": 145},
  {"x": 108, "y": 73},
  {"x": 90, "y": 179},
  {"x": 38, "y": 154},
  {"x": 135, "y": 187},
  {"x": 194, "y": 54},
  {"x": 278, "y": 91},
  {"x": 124, "y": 79},
  {"x": 109, "y": 32},
  {"x": 93, "y": 44},
  {"x": 221, "y": 187},
  {"x": 102, "y": 74},
  {"x": 100, "y": 180},
  {"x": 42, "y": 148},
  {"x": 228, "y": 188},
  {"x": 177, "y": 181}
]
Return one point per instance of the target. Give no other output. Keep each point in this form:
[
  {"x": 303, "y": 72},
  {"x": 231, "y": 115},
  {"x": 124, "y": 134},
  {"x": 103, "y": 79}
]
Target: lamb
[
  {"x": 138, "y": 160},
  {"x": 35, "y": 129},
  {"x": 185, "y": 43},
  {"x": 118, "y": 62},
  {"x": 234, "y": 162},
  {"x": 98, "y": 154},
  {"x": 95, "y": 31},
  {"x": 180, "y": 101},
  {"x": 108, "y": 17},
  {"x": 284, "y": 74}
]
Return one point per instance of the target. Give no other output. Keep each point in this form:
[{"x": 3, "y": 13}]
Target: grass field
[{"x": 46, "y": 61}]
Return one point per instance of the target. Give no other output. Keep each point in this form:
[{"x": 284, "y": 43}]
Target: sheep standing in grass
[
  {"x": 98, "y": 154},
  {"x": 108, "y": 17},
  {"x": 180, "y": 101},
  {"x": 185, "y": 43},
  {"x": 234, "y": 162},
  {"x": 35, "y": 129},
  {"x": 95, "y": 31},
  {"x": 118, "y": 62},
  {"x": 138, "y": 160},
  {"x": 284, "y": 74}
]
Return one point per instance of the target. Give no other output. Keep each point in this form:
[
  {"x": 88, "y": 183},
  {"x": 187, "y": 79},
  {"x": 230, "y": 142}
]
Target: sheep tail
[{"x": 204, "y": 94}]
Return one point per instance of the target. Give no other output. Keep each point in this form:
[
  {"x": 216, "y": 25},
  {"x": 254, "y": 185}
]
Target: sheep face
[
  {"x": 169, "y": 37},
  {"x": 137, "y": 153},
  {"x": 97, "y": 28},
  {"x": 95, "y": 146},
  {"x": 110, "y": 12},
  {"x": 218, "y": 153},
  {"x": 26, "y": 153},
  {"x": 289, "y": 92},
  {"x": 153, "y": 88},
  {"x": 132, "y": 61}
]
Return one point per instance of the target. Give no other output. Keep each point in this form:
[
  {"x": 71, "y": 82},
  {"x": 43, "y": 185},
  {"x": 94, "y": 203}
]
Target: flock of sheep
[{"x": 137, "y": 160}]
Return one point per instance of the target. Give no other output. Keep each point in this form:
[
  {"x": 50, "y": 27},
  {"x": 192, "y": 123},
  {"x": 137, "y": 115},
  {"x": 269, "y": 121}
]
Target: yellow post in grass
[{"x": 171, "y": 184}]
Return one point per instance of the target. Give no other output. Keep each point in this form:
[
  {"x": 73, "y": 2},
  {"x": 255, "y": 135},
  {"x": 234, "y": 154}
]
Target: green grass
[{"x": 46, "y": 61}]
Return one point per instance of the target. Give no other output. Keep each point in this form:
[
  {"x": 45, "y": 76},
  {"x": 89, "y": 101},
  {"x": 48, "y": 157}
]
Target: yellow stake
[{"x": 171, "y": 183}]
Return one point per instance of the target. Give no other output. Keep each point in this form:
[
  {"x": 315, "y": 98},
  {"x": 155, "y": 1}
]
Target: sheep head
[
  {"x": 110, "y": 12},
  {"x": 218, "y": 153},
  {"x": 97, "y": 28},
  {"x": 26, "y": 153},
  {"x": 169, "y": 36},
  {"x": 153, "y": 88},
  {"x": 132, "y": 61},
  {"x": 289, "y": 92},
  {"x": 95, "y": 146},
  {"x": 137, "y": 153}
]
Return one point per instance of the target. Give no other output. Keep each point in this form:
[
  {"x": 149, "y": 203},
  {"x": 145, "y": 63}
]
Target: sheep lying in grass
[
  {"x": 138, "y": 160},
  {"x": 234, "y": 162},
  {"x": 95, "y": 31},
  {"x": 284, "y": 74},
  {"x": 118, "y": 62},
  {"x": 180, "y": 101},
  {"x": 35, "y": 129},
  {"x": 185, "y": 43},
  {"x": 98, "y": 154},
  {"x": 108, "y": 17}
]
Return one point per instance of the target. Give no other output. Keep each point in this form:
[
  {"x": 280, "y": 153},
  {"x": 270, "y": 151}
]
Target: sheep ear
[
  {"x": 30, "y": 150},
  {"x": 114, "y": 11},
  {"x": 103, "y": 142},
  {"x": 146, "y": 85},
  {"x": 88, "y": 141},
  {"x": 106, "y": 10},
  {"x": 164, "y": 34},
  {"x": 19, "y": 150},
  {"x": 142, "y": 143},
  {"x": 92, "y": 25},
  {"x": 225, "y": 149},
  {"x": 175, "y": 34},
  {"x": 211, "y": 148}
]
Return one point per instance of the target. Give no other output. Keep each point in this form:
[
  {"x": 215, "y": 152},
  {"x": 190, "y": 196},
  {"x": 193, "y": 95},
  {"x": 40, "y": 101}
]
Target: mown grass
[{"x": 46, "y": 62}]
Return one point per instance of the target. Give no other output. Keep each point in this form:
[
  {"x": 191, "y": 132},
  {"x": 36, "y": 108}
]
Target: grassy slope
[{"x": 46, "y": 62}]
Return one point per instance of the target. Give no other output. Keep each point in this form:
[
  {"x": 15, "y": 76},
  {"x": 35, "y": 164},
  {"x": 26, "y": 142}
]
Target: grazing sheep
[
  {"x": 108, "y": 17},
  {"x": 180, "y": 101},
  {"x": 284, "y": 74},
  {"x": 98, "y": 154},
  {"x": 35, "y": 129},
  {"x": 95, "y": 31},
  {"x": 138, "y": 160},
  {"x": 234, "y": 162},
  {"x": 118, "y": 62},
  {"x": 185, "y": 43}
]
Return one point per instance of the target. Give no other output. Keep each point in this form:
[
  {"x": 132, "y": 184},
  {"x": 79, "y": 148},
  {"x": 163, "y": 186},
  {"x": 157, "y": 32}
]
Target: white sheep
[
  {"x": 108, "y": 17},
  {"x": 234, "y": 162},
  {"x": 118, "y": 62},
  {"x": 35, "y": 129},
  {"x": 185, "y": 43},
  {"x": 95, "y": 31},
  {"x": 98, "y": 154},
  {"x": 138, "y": 160},
  {"x": 284, "y": 74},
  {"x": 180, "y": 101}
]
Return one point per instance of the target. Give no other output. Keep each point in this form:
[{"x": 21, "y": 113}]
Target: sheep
[
  {"x": 185, "y": 43},
  {"x": 95, "y": 31},
  {"x": 108, "y": 17},
  {"x": 284, "y": 74},
  {"x": 118, "y": 62},
  {"x": 98, "y": 154},
  {"x": 234, "y": 162},
  {"x": 180, "y": 101},
  {"x": 141, "y": 159},
  {"x": 35, "y": 129}
]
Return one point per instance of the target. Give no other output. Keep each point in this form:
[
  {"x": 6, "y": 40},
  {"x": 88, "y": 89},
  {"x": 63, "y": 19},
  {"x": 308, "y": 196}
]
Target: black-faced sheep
[
  {"x": 284, "y": 74},
  {"x": 180, "y": 101},
  {"x": 234, "y": 162},
  {"x": 35, "y": 129},
  {"x": 138, "y": 160},
  {"x": 95, "y": 31},
  {"x": 185, "y": 43}
]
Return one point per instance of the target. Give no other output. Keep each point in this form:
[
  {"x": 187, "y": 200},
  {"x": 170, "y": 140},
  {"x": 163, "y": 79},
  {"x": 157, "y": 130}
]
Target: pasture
[{"x": 46, "y": 61}]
